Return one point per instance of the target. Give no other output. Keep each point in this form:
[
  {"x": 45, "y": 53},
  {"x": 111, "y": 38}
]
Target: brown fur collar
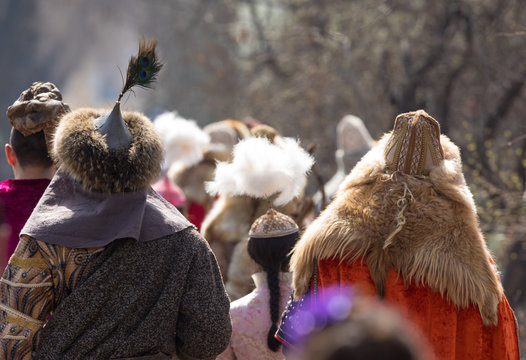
[
  {"x": 424, "y": 228},
  {"x": 82, "y": 152}
]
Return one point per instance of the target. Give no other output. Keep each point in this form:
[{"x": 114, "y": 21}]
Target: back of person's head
[
  {"x": 30, "y": 150},
  {"x": 371, "y": 331},
  {"x": 371, "y": 336},
  {"x": 272, "y": 254},
  {"x": 279, "y": 177},
  {"x": 38, "y": 108},
  {"x": 34, "y": 117},
  {"x": 271, "y": 239}
]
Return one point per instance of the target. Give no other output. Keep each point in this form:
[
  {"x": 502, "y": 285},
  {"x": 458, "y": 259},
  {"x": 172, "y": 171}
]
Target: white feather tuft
[
  {"x": 184, "y": 142},
  {"x": 261, "y": 169}
]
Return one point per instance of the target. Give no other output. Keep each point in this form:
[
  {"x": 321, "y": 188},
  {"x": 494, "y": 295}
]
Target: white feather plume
[
  {"x": 261, "y": 169},
  {"x": 184, "y": 142}
]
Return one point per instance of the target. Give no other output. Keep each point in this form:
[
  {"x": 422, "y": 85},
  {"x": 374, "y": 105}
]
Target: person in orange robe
[{"x": 403, "y": 227}]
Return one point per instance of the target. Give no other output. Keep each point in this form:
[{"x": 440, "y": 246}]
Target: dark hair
[
  {"x": 375, "y": 349},
  {"x": 273, "y": 254},
  {"x": 371, "y": 331},
  {"x": 30, "y": 150}
]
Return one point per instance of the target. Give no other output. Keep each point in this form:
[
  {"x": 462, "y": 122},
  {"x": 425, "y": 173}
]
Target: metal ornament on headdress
[
  {"x": 273, "y": 224},
  {"x": 142, "y": 71},
  {"x": 112, "y": 125},
  {"x": 414, "y": 146}
]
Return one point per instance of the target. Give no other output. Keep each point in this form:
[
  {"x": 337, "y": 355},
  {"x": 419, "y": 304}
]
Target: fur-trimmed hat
[
  {"x": 82, "y": 152},
  {"x": 110, "y": 151},
  {"x": 261, "y": 169},
  {"x": 238, "y": 207}
]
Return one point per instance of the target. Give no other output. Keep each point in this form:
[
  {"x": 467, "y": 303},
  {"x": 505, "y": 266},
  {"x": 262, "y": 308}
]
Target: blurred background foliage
[{"x": 300, "y": 66}]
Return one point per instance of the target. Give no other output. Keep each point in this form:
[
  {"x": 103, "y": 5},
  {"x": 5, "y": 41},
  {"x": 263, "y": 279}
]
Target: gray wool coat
[{"x": 158, "y": 299}]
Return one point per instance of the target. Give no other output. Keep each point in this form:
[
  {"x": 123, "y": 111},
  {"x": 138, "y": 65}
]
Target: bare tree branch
[
  {"x": 269, "y": 58},
  {"x": 509, "y": 96},
  {"x": 444, "y": 101}
]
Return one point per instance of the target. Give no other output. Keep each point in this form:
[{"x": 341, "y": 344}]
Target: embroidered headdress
[
  {"x": 272, "y": 224},
  {"x": 414, "y": 146}
]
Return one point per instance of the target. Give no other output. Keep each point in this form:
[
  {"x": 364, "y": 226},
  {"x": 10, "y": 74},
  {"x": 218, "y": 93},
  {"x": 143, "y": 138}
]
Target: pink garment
[
  {"x": 195, "y": 213},
  {"x": 19, "y": 198},
  {"x": 251, "y": 321},
  {"x": 170, "y": 192}
]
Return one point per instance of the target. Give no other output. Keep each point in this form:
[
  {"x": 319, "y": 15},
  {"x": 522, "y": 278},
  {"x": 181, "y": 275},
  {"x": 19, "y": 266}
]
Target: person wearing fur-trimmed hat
[
  {"x": 191, "y": 176},
  {"x": 403, "y": 227},
  {"x": 122, "y": 272},
  {"x": 191, "y": 156},
  {"x": 273, "y": 173},
  {"x": 226, "y": 225}
]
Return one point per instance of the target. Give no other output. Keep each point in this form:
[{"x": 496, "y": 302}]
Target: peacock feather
[{"x": 143, "y": 68}]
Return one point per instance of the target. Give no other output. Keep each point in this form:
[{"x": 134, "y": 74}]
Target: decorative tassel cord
[
  {"x": 400, "y": 219},
  {"x": 20, "y": 315},
  {"x": 30, "y": 286}
]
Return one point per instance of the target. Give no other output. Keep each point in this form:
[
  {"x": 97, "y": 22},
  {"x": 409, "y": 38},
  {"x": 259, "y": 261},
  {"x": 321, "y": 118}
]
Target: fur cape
[
  {"x": 424, "y": 228},
  {"x": 82, "y": 152}
]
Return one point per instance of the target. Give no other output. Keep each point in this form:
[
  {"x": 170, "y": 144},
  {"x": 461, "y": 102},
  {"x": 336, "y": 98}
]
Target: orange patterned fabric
[{"x": 454, "y": 334}]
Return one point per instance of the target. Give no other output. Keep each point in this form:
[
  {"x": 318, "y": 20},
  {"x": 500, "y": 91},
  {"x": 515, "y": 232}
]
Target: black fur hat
[{"x": 82, "y": 152}]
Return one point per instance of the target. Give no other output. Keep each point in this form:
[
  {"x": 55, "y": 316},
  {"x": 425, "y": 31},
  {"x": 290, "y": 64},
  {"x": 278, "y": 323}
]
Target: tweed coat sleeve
[{"x": 203, "y": 326}]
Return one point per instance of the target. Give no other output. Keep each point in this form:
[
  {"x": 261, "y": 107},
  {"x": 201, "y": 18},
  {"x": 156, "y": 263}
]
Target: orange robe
[{"x": 454, "y": 334}]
